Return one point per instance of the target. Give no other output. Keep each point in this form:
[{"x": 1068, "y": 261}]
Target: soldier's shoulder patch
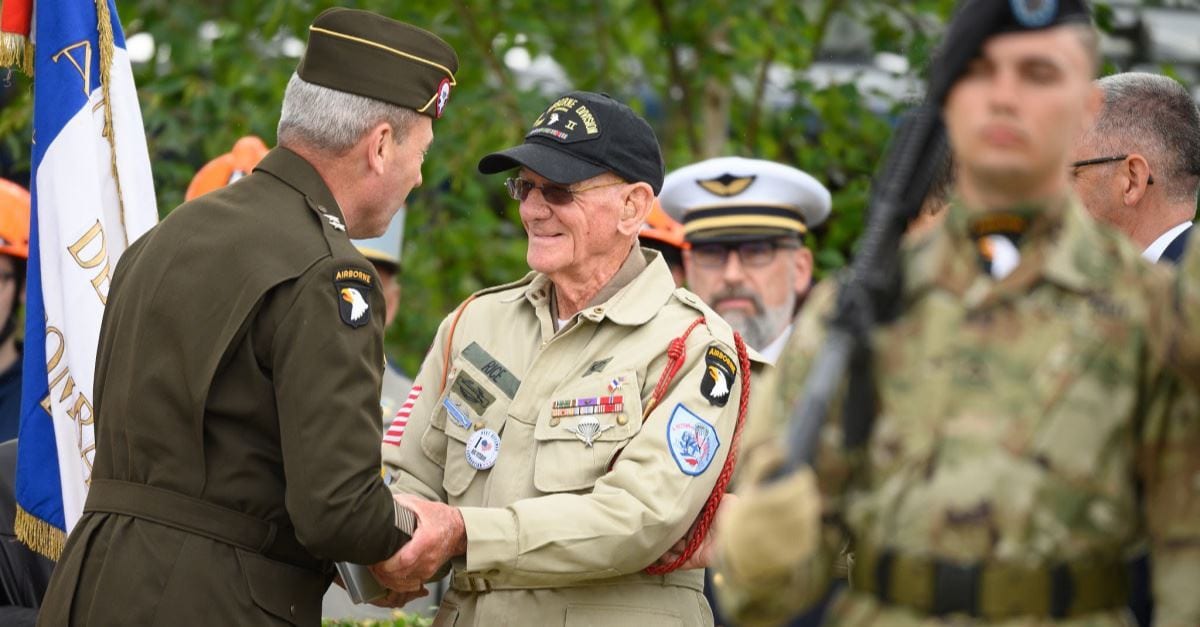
[
  {"x": 353, "y": 287},
  {"x": 692, "y": 440},
  {"x": 720, "y": 371}
]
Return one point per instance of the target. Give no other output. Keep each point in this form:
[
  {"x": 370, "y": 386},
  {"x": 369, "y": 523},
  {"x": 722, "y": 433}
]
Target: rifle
[{"x": 870, "y": 289}]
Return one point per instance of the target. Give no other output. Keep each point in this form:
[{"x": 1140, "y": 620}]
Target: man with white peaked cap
[{"x": 761, "y": 210}]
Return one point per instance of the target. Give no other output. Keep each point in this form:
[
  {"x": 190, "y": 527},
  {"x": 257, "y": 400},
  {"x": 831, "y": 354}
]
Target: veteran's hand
[
  {"x": 396, "y": 598},
  {"x": 703, "y": 556},
  {"x": 441, "y": 534}
]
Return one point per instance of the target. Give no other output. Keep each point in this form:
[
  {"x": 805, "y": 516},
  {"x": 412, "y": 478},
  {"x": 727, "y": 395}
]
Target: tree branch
[
  {"x": 760, "y": 89},
  {"x": 507, "y": 88},
  {"x": 677, "y": 77}
]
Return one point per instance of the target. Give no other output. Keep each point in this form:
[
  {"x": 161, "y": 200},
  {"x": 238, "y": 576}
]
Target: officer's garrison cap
[
  {"x": 369, "y": 55},
  {"x": 736, "y": 199}
]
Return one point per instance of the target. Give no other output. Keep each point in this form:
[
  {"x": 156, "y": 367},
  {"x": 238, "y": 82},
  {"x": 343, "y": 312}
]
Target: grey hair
[
  {"x": 333, "y": 121},
  {"x": 1156, "y": 116}
]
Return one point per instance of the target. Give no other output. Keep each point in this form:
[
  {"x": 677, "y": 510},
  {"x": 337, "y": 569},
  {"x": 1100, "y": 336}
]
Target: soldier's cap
[
  {"x": 733, "y": 199},
  {"x": 582, "y": 135},
  {"x": 385, "y": 249},
  {"x": 367, "y": 54},
  {"x": 978, "y": 20}
]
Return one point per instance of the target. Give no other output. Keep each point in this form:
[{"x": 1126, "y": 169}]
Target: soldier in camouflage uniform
[{"x": 1028, "y": 430}]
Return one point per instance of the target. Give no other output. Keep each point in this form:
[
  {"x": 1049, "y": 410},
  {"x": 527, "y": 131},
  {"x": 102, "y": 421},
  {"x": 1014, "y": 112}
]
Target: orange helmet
[
  {"x": 227, "y": 168},
  {"x": 14, "y": 220},
  {"x": 662, "y": 227}
]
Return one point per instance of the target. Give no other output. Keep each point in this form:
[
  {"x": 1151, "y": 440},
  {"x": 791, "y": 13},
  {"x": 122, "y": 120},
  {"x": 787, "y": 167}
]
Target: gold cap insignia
[{"x": 727, "y": 184}]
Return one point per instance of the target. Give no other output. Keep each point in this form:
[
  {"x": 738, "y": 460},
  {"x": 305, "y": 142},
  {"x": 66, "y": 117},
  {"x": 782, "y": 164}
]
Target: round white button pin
[{"x": 483, "y": 447}]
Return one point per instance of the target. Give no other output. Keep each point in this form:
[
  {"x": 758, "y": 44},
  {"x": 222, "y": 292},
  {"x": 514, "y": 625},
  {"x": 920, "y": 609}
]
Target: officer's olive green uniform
[
  {"x": 558, "y": 532},
  {"x": 1028, "y": 436},
  {"x": 237, "y": 418}
]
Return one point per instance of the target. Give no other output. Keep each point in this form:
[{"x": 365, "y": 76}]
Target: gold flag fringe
[
  {"x": 16, "y": 51},
  {"x": 39, "y": 535},
  {"x": 104, "y": 25}
]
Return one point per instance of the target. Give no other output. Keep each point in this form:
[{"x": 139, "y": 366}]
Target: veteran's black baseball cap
[
  {"x": 367, "y": 54},
  {"x": 584, "y": 134}
]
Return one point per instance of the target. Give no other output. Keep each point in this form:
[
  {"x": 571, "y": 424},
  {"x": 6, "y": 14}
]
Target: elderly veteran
[
  {"x": 569, "y": 428},
  {"x": 238, "y": 372},
  {"x": 745, "y": 221}
]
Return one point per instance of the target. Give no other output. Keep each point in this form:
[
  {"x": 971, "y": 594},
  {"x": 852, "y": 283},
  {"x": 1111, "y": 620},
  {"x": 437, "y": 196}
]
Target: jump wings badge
[{"x": 588, "y": 429}]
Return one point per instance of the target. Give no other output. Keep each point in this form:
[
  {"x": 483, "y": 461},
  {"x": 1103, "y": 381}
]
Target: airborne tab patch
[
  {"x": 353, "y": 287},
  {"x": 566, "y": 121},
  {"x": 719, "y": 374}
]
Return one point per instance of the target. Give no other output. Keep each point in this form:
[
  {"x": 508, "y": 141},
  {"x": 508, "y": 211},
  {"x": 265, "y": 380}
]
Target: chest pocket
[
  {"x": 582, "y": 427},
  {"x": 471, "y": 402}
]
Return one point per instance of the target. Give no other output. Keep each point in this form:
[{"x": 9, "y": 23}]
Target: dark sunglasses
[
  {"x": 519, "y": 188},
  {"x": 1099, "y": 160}
]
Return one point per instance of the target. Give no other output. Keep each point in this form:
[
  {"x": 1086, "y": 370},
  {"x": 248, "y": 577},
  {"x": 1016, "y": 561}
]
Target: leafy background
[{"x": 714, "y": 77}]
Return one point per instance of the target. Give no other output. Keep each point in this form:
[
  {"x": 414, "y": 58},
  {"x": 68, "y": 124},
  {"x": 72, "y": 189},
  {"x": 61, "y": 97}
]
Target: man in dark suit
[
  {"x": 1138, "y": 167},
  {"x": 239, "y": 362}
]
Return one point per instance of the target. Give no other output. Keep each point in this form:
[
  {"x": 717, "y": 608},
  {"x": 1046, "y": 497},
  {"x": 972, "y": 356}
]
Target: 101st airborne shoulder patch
[
  {"x": 353, "y": 287},
  {"x": 719, "y": 373}
]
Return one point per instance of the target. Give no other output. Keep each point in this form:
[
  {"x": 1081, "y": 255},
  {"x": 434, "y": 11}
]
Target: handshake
[{"x": 435, "y": 533}]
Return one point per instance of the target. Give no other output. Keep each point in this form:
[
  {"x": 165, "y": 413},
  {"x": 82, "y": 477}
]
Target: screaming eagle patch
[
  {"x": 353, "y": 287},
  {"x": 719, "y": 372}
]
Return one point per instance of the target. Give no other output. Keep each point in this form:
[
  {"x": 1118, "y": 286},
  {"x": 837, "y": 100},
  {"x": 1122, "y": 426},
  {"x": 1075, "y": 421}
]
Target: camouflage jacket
[{"x": 1030, "y": 420}]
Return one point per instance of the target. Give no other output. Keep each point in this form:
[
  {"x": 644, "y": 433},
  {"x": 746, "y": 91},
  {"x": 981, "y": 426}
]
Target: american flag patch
[{"x": 396, "y": 431}]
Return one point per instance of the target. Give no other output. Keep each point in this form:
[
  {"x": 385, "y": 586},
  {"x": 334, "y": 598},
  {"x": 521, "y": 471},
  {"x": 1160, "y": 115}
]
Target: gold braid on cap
[{"x": 406, "y": 55}]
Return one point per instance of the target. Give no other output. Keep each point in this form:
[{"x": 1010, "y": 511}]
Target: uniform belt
[
  {"x": 991, "y": 590},
  {"x": 474, "y": 582},
  {"x": 199, "y": 517}
]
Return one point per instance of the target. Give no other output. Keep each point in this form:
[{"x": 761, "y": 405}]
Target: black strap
[{"x": 186, "y": 513}]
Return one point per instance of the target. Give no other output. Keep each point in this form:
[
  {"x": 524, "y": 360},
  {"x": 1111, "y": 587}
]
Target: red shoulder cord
[{"x": 676, "y": 354}]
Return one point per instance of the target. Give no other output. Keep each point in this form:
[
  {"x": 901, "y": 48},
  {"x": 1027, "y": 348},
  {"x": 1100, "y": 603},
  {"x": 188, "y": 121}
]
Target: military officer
[
  {"x": 238, "y": 373},
  {"x": 745, "y": 222},
  {"x": 1028, "y": 432},
  {"x": 570, "y": 427}
]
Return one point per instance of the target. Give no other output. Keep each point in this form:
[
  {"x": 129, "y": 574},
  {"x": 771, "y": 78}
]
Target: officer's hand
[
  {"x": 441, "y": 534},
  {"x": 397, "y": 598},
  {"x": 702, "y": 558}
]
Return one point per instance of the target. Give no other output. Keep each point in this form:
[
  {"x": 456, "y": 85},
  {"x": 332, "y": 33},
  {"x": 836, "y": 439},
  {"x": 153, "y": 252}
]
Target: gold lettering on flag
[
  {"x": 80, "y": 409},
  {"x": 97, "y": 255},
  {"x": 85, "y": 68}
]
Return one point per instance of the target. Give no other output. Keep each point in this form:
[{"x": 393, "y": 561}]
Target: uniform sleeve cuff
[{"x": 491, "y": 539}]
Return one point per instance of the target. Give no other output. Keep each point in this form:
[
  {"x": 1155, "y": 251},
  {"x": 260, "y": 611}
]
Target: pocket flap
[{"x": 288, "y": 592}]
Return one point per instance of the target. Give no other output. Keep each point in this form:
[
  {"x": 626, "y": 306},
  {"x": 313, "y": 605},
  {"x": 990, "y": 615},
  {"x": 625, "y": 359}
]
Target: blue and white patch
[
  {"x": 456, "y": 414},
  {"x": 693, "y": 441},
  {"x": 1034, "y": 13}
]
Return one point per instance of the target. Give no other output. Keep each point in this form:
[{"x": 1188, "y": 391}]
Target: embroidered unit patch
[{"x": 693, "y": 441}]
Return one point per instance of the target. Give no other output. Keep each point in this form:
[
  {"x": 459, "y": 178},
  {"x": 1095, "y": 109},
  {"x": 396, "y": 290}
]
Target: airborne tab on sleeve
[{"x": 353, "y": 287}]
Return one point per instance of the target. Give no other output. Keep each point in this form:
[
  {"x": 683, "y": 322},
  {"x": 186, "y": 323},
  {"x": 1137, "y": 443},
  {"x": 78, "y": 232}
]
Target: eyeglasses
[
  {"x": 519, "y": 189},
  {"x": 754, "y": 254},
  {"x": 1098, "y": 160}
]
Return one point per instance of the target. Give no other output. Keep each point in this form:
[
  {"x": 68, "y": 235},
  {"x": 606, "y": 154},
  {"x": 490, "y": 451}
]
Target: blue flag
[{"x": 92, "y": 195}]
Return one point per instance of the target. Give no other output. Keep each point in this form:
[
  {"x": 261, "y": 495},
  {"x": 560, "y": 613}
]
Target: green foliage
[
  {"x": 400, "y": 620},
  {"x": 697, "y": 69}
]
